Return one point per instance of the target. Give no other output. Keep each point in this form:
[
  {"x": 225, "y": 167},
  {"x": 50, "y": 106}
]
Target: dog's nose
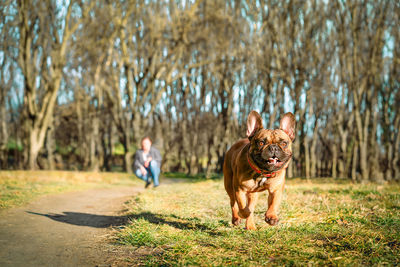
[{"x": 273, "y": 149}]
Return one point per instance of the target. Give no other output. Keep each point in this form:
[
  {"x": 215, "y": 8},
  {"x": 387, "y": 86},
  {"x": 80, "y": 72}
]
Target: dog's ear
[
  {"x": 254, "y": 123},
  {"x": 288, "y": 125}
]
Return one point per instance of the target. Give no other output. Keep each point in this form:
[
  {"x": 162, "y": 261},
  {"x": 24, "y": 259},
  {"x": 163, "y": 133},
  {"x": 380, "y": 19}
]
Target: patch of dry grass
[
  {"x": 323, "y": 221},
  {"x": 20, "y": 187}
]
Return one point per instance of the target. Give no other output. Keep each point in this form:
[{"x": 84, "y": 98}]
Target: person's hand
[
  {"x": 143, "y": 170},
  {"x": 147, "y": 162}
]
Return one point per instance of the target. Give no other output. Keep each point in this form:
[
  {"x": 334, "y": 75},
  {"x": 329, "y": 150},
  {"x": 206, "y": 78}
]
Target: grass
[
  {"x": 181, "y": 175},
  {"x": 20, "y": 187},
  {"x": 323, "y": 222},
  {"x": 187, "y": 221}
]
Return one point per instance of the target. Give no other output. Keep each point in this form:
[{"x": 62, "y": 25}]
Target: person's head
[{"x": 146, "y": 144}]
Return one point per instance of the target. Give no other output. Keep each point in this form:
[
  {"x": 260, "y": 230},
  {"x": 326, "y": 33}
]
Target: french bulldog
[{"x": 258, "y": 163}]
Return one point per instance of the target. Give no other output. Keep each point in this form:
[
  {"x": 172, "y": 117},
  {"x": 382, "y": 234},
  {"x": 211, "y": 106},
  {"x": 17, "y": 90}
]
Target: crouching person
[{"x": 147, "y": 162}]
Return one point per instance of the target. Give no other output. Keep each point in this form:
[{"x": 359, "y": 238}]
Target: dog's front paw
[
  {"x": 244, "y": 213},
  {"x": 251, "y": 227},
  {"x": 236, "y": 221},
  {"x": 271, "y": 219}
]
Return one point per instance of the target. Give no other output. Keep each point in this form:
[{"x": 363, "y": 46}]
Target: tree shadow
[
  {"x": 176, "y": 222},
  {"x": 104, "y": 221},
  {"x": 85, "y": 219}
]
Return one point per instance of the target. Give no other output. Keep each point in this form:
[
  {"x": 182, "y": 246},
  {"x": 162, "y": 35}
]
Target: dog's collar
[{"x": 259, "y": 171}]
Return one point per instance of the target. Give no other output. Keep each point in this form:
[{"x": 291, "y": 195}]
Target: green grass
[
  {"x": 323, "y": 222},
  {"x": 200, "y": 176},
  {"x": 20, "y": 187}
]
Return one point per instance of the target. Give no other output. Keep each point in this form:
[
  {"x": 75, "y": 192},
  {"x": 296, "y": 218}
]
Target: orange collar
[{"x": 262, "y": 172}]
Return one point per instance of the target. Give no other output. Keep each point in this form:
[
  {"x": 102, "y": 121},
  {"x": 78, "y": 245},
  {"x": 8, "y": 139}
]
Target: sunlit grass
[
  {"x": 20, "y": 187},
  {"x": 323, "y": 222}
]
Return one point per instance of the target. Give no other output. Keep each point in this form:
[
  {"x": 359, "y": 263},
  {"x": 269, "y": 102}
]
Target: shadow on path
[{"x": 85, "y": 219}]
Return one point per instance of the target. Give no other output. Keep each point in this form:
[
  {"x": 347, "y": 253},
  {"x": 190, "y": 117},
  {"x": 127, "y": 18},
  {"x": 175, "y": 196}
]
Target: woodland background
[{"x": 82, "y": 81}]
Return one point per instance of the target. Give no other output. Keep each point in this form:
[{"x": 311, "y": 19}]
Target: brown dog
[{"x": 256, "y": 164}]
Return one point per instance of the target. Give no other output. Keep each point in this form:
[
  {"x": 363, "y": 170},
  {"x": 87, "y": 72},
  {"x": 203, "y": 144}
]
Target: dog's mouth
[
  {"x": 270, "y": 161},
  {"x": 271, "y": 164},
  {"x": 275, "y": 161}
]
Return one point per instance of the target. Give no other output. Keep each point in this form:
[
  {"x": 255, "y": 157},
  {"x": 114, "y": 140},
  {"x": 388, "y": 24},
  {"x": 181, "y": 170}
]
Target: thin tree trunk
[
  {"x": 290, "y": 169},
  {"x": 354, "y": 162},
  {"x": 127, "y": 153},
  {"x": 313, "y": 156},
  {"x": 342, "y": 166},
  {"x": 3, "y": 133},
  {"x": 306, "y": 157},
  {"x": 50, "y": 146},
  {"x": 334, "y": 161},
  {"x": 396, "y": 156},
  {"x": 94, "y": 160}
]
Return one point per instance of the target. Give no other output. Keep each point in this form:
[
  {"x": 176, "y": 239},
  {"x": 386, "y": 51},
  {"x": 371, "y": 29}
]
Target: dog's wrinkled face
[{"x": 270, "y": 149}]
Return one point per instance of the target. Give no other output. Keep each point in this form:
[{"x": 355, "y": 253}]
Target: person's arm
[
  {"x": 137, "y": 164},
  {"x": 156, "y": 156}
]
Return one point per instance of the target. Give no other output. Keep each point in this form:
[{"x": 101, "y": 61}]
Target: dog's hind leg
[
  {"x": 233, "y": 203},
  {"x": 228, "y": 183},
  {"x": 229, "y": 189},
  {"x": 235, "y": 210},
  {"x": 251, "y": 203}
]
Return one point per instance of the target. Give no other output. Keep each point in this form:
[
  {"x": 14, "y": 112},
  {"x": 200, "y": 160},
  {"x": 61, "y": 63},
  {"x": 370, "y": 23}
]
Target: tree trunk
[
  {"x": 354, "y": 162},
  {"x": 363, "y": 160},
  {"x": 94, "y": 160},
  {"x": 127, "y": 154},
  {"x": 3, "y": 132},
  {"x": 306, "y": 157},
  {"x": 313, "y": 156},
  {"x": 290, "y": 169},
  {"x": 50, "y": 146},
  {"x": 396, "y": 156},
  {"x": 82, "y": 112},
  {"x": 362, "y": 133},
  {"x": 34, "y": 147},
  {"x": 342, "y": 166},
  {"x": 334, "y": 161}
]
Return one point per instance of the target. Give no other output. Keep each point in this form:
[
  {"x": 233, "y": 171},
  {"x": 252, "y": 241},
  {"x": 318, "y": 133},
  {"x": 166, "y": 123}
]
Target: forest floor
[
  {"x": 118, "y": 223},
  {"x": 327, "y": 222}
]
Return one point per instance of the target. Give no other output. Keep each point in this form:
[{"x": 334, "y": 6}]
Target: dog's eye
[
  {"x": 261, "y": 143},
  {"x": 284, "y": 144}
]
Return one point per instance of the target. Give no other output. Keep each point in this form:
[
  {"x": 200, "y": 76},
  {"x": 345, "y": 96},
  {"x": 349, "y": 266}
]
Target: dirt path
[{"x": 63, "y": 230}]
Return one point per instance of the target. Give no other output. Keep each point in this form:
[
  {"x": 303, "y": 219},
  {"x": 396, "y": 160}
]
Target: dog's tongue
[{"x": 272, "y": 160}]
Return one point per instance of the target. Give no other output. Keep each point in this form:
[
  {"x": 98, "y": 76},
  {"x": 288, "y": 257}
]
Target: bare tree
[{"x": 43, "y": 43}]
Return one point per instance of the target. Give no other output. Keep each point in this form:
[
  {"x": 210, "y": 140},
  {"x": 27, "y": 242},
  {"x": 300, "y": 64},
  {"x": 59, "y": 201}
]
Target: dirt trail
[{"x": 63, "y": 230}]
